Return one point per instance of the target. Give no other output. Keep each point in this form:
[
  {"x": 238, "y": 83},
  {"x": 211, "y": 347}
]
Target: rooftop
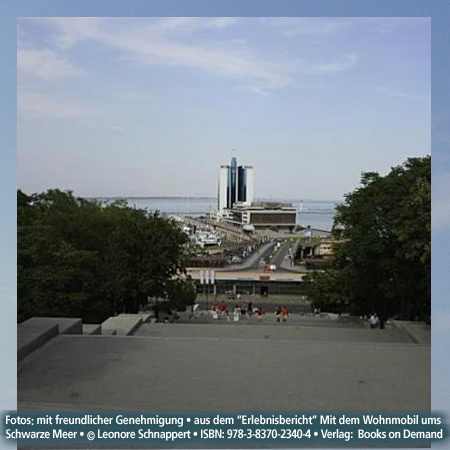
[{"x": 265, "y": 205}]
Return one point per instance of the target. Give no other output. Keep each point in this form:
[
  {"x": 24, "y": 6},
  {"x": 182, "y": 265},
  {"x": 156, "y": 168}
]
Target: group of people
[
  {"x": 221, "y": 310},
  {"x": 376, "y": 321},
  {"x": 282, "y": 314}
]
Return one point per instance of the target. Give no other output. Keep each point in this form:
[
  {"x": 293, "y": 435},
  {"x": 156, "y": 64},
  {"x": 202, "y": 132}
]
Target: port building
[{"x": 262, "y": 215}]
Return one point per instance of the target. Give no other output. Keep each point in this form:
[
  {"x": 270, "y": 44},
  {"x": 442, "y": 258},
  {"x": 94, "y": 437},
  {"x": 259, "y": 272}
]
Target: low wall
[
  {"x": 123, "y": 324},
  {"x": 35, "y": 332}
]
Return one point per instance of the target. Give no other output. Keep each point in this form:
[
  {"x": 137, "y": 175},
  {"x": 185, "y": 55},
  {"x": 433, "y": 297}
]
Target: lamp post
[
  {"x": 212, "y": 278},
  {"x": 207, "y": 286}
]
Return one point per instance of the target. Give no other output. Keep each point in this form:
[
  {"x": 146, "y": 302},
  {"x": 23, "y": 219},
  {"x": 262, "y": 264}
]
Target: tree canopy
[
  {"x": 383, "y": 262},
  {"x": 82, "y": 258}
]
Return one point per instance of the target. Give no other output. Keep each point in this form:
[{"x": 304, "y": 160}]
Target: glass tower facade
[
  {"x": 232, "y": 184},
  {"x": 235, "y": 185},
  {"x": 242, "y": 184}
]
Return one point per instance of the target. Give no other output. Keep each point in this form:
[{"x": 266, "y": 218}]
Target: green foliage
[
  {"x": 181, "y": 293},
  {"x": 85, "y": 259},
  {"x": 329, "y": 290},
  {"x": 385, "y": 255}
]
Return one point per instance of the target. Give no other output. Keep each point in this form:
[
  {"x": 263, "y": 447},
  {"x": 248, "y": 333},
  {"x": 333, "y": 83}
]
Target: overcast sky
[{"x": 110, "y": 106}]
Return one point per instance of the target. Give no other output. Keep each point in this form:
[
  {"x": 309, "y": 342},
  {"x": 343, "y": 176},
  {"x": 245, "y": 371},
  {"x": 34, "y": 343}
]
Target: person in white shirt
[
  {"x": 373, "y": 321},
  {"x": 237, "y": 313}
]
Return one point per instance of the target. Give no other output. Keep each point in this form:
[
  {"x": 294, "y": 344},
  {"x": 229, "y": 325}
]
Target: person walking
[
  {"x": 284, "y": 313},
  {"x": 237, "y": 313},
  {"x": 373, "y": 320},
  {"x": 382, "y": 321},
  {"x": 278, "y": 313}
]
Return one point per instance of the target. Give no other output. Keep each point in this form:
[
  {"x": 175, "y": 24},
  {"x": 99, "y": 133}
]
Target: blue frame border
[{"x": 438, "y": 10}]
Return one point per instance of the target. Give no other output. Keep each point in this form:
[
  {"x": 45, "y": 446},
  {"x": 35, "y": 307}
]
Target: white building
[
  {"x": 263, "y": 215},
  {"x": 250, "y": 185},
  {"x": 223, "y": 188}
]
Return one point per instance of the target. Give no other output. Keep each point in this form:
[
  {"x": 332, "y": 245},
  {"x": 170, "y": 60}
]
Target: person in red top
[{"x": 284, "y": 313}]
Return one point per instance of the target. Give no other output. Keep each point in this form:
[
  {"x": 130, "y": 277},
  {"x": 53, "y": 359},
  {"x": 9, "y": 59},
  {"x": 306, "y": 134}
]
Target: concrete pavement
[
  {"x": 308, "y": 330},
  {"x": 229, "y": 368}
]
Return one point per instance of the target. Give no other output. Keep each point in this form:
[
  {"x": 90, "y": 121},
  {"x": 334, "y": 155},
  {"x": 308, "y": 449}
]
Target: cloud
[
  {"x": 149, "y": 44},
  {"x": 117, "y": 129},
  {"x": 35, "y": 105},
  {"x": 397, "y": 93},
  {"x": 193, "y": 24},
  {"x": 310, "y": 26},
  {"x": 32, "y": 104},
  {"x": 162, "y": 41},
  {"x": 323, "y": 68},
  {"x": 45, "y": 64}
]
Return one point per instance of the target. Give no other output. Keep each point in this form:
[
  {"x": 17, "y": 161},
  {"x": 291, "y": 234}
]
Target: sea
[{"x": 315, "y": 213}]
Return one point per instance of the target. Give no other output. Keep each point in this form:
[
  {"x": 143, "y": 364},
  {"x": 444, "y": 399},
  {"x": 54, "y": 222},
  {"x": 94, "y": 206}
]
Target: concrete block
[
  {"x": 33, "y": 334},
  {"x": 124, "y": 324},
  {"x": 66, "y": 325},
  {"x": 69, "y": 325},
  {"x": 146, "y": 317},
  {"x": 92, "y": 328},
  {"x": 36, "y": 331},
  {"x": 108, "y": 332}
]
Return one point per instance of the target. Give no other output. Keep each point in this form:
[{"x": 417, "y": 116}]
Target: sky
[{"x": 153, "y": 106}]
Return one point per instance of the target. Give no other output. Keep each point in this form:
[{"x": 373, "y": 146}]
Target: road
[
  {"x": 278, "y": 257},
  {"x": 267, "y": 253},
  {"x": 252, "y": 263}
]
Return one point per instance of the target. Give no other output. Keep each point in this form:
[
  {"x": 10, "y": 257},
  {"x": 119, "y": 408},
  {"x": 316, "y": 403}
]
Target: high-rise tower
[
  {"x": 249, "y": 184},
  {"x": 232, "y": 183},
  {"x": 236, "y": 184},
  {"x": 222, "y": 197}
]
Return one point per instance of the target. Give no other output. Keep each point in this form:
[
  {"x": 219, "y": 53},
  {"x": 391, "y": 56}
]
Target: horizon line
[{"x": 143, "y": 197}]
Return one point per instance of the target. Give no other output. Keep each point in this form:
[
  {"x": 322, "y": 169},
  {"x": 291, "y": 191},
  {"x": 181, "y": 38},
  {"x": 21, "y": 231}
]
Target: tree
[
  {"x": 181, "y": 293},
  {"x": 85, "y": 259},
  {"x": 329, "y": 290},
  {"x": 385, "y": 252}
]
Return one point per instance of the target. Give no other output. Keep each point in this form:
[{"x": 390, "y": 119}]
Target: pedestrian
[
  {"x": 156, "y": 312},
  {"x": 284, "y": 313},
  {"x": 237, "y": 313},
  {"x": 373, "y": 320},
  {"x": 226, "y": 312},
  {"x": 249, "y": 309},
  {"x": 278, "y": 313}
]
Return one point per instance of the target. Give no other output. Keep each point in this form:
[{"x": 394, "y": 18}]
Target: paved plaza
[
  {"x": 281, "y": 331},
  {"x": 211, "y": 367}
]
